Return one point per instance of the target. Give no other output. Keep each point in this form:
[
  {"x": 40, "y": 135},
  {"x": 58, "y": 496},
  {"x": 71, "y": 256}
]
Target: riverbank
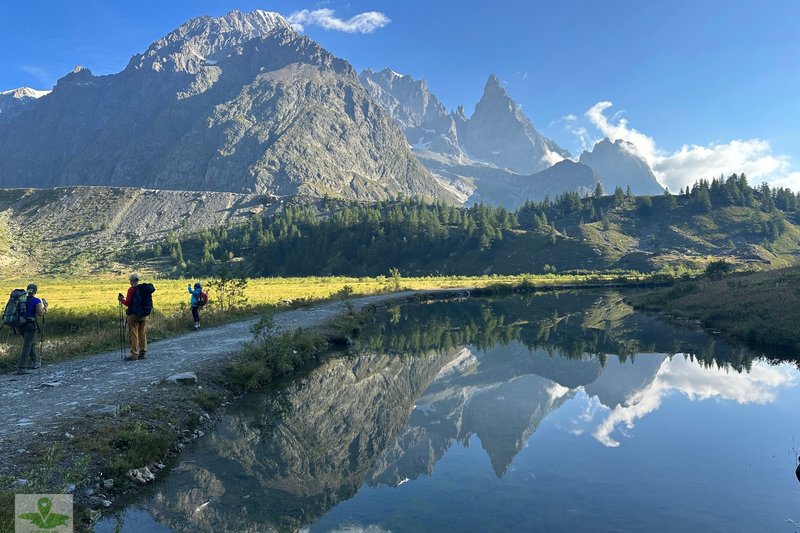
[
  {"x": 82, "y": 426},
  {"x": 759, "y": 308}
]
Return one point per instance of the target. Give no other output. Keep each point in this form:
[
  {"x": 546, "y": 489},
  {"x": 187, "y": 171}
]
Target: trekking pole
[
  {"x": 41, "y": 343},
  {"x": 121, "y": 334}
]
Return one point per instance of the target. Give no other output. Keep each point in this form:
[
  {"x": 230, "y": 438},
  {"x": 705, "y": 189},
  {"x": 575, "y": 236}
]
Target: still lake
[{"x": 552, "y": 412}]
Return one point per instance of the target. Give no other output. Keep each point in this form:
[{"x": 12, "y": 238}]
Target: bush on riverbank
[{"x": 272, "y": 355}]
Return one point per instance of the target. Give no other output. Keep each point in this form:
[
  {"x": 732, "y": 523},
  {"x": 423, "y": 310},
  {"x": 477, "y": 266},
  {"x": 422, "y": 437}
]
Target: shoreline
[{"x": 88, "y": 455}]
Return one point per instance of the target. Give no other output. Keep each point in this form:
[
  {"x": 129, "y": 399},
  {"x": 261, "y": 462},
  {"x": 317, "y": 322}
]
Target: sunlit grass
[
  {"x": 83, "y": 314},
  {"x": 100, "y": 294}
]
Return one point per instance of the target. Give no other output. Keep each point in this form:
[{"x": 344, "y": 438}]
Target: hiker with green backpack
[
  {"x": 21, "y": 312},
  {"x": 139, "y": 303}
]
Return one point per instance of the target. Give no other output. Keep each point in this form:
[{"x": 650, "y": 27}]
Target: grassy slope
[
  {"x": 681, "y": 237},
  {"x": 762, "y": 307}
]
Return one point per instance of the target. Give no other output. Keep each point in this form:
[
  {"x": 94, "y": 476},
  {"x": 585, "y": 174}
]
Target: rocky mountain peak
[
  {"x": 620, "y": 164},
  {"x": 493, "y": 86},
  {"x": 204, "y": 40},
  {"x": 621, "y": 146},
  {"x": 496, "y": 99},
  {"x": 24, "y": 92},
  {"x": 391, "y": 74},
  {"x": 409, "y": 101},
  {"x": 500, "y": 133},
  {"x": 79, "y": 76},
  {"x": 14, "y": 101},
  {"x": 278, "y": 114}
]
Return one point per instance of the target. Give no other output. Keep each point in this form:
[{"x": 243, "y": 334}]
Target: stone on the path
[
  {"x": 51, "y": 384},
  {"x": 19, "y": 483},
  {"x": 183, "y": 378},
  {"x": 69, "y": 489},
  {"x": 108, "y": 483},
  {"x": 141, "y": 475}
]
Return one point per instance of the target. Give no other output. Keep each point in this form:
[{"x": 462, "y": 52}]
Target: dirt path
[{"x": 38, "y": 403}]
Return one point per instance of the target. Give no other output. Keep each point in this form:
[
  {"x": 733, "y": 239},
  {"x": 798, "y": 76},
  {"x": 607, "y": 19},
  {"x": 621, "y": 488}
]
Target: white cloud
[
  {"x": 366, "y": 22},
  {"x": 790, "y": 181},
  {"x": 617, "y": 128},
  {"x": 551, "y": 158},
  {"x": 690, "y": 163},
  {"x": 758, "y": 386}
]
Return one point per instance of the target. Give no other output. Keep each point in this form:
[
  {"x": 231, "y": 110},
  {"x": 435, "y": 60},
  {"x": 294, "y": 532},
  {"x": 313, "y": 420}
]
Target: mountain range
[
  {"x": 497, "y": 155},
  {"x": 239, "y": 103},
  {"x": 242, "y": 103}
]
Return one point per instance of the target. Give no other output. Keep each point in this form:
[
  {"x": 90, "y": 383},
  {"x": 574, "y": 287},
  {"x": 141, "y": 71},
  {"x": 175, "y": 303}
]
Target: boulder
[{"x": 141, "y": 475}]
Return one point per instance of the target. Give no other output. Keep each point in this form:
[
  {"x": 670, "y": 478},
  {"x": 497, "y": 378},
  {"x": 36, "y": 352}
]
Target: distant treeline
[{"x": 334, "y": 237}]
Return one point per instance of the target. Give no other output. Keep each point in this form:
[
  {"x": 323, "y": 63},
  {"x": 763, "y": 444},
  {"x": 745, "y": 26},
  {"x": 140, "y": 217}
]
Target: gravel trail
[{"x": 37, "y": 403}]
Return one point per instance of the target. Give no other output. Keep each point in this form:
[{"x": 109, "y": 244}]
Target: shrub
[{"x": 717, "y": 269}]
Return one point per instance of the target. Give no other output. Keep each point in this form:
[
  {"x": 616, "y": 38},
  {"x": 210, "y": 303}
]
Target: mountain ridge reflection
[{"x": 423, "y": 377}]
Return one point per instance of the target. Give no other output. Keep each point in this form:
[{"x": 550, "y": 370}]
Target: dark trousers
[
  {"x": 196, "y": 314},
  {"x": 28, "y": 357}
]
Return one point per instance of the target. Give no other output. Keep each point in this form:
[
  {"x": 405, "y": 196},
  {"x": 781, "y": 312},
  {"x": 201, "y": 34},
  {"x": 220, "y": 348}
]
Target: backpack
[
  {"x": 142, "y": 304},
  {"x": 203, "y": 299},
  {"x": 16, "y": 311}
]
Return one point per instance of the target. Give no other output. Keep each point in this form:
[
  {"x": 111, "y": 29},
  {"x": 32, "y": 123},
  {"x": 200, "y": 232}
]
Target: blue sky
[{"x": 702, "y": 87}]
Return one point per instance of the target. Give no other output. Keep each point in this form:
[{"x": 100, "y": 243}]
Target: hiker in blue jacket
[
  {"x": 196, "y": 302},
  {"x": 35, "y": 307}
]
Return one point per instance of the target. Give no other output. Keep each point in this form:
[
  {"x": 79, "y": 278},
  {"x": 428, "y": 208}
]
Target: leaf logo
[{"x": 45, "y": 519}]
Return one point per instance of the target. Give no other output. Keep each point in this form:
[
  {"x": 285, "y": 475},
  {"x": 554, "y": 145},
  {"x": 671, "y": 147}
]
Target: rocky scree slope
[{"x": 88, "y": 228}]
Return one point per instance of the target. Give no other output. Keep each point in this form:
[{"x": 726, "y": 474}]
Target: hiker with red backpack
[
  {"x": 198, "y": 300},
  {"x": 139, "y": 301}
]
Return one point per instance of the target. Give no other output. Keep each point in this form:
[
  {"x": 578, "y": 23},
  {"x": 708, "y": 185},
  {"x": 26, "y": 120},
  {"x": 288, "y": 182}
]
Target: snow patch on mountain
[{"x": 25, "y": 92}]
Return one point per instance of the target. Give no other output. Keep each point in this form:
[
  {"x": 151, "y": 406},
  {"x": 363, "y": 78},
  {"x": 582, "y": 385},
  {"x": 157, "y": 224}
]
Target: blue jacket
[
  {"x": 32, "y": 302},
  {"x": 195, "y": 296}
]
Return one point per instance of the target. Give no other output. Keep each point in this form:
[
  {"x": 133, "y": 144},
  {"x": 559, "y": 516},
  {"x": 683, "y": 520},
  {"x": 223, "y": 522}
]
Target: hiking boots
[
  {"x": 129, "y": 358},
  {"x": 141, "y": 355}
]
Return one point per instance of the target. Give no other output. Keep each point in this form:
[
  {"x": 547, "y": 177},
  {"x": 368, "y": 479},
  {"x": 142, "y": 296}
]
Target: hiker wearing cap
[
  {"x": 198, "y": 300},
  {"x": 34, "y": 307},
  {"x": 139, "y": 303}
]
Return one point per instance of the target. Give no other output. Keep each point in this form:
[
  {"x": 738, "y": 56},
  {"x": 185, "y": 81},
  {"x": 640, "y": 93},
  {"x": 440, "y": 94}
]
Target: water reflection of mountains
[{"x": 423, "y": 378}]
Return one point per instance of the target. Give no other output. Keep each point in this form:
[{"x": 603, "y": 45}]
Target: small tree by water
[{"x": 228, "y": 289}]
